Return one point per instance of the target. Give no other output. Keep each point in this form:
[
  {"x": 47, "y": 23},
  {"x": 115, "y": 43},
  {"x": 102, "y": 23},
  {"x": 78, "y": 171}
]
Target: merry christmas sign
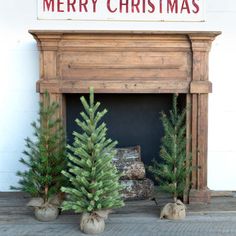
[{"x": 122, "y": 10}]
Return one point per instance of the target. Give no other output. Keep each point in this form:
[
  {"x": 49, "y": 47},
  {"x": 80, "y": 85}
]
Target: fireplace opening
[{"x": 132, "y": 119}]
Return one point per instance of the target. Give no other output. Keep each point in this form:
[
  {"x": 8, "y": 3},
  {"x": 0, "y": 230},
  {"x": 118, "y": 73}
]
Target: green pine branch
[
  {"x": 44, "y": 154},
  {"x": 94, "y": 179},
  {"x": 172, "y": 172}
]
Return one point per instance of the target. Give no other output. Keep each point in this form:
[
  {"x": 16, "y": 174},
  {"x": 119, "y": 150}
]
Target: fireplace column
[
  {"x": 49, "y": 72},
  {"x": 198, "y": 99}
]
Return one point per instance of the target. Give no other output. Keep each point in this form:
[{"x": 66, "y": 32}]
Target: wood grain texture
[
  {"x": 114, "y": 86},
  {"x": 200, "y": 87}
]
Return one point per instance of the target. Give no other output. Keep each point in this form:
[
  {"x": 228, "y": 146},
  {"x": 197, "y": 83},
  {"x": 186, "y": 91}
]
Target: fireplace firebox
[{"x": 133, "y": 63}]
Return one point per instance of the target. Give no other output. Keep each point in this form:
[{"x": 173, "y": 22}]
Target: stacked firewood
[{"x": 136, "y": 185}]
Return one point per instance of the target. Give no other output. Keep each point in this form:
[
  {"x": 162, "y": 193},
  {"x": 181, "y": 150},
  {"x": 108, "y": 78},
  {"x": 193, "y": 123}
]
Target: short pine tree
[
  {"x": 45, "y": 155},
  {"x": 94, "y": 179},
  {"x": 173, "y": 171}
]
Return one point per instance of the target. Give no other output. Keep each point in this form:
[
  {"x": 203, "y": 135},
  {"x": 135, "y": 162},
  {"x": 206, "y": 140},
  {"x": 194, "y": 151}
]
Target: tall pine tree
[
  {"x": 45, "y": 154},
  {"x": 94, "y": 179},
  {"x": 172, "y": 172}
]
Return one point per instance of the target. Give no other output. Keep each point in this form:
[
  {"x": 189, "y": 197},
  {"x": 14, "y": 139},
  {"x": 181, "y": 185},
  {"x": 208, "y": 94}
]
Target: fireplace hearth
[{"x": 134, "y": 64}]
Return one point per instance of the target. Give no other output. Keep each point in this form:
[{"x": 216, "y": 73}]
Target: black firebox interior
[{"x": 132, "y": 119}]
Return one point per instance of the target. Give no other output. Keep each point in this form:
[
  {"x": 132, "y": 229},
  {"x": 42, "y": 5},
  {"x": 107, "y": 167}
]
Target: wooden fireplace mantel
[{"x": 134, "y": 62}]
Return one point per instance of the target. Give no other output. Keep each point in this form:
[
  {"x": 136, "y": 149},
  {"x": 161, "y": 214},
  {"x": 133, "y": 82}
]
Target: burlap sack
[
  {"x": 46, "y": 213},
  {"x": 93, "y": 223},
  {"x": 174, "y": 211}
]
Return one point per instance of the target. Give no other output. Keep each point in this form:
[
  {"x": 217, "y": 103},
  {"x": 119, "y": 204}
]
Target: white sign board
[{"x": 122, "y": 10}]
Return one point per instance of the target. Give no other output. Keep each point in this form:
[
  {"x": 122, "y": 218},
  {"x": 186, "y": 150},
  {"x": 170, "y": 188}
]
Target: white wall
[{"x": 19, "y": 73}]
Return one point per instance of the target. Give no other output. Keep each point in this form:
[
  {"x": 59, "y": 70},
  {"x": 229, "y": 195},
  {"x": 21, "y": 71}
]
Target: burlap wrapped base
[
  {"x": 93, "y": 223},
  {"x": 174, "y": 211},
  {"x": 48, "y": 213}
]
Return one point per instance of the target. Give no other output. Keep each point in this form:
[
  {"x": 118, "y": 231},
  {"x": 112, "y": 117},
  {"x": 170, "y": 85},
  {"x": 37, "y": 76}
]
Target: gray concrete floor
[{"x": 135, "y": 219}]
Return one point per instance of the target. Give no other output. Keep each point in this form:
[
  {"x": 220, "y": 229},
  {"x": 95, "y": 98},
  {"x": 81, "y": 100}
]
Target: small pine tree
[
  {"x": 173, "y": 171},
  {"x": 45, "y": 155},
  {"x": 93, "y": 177}
]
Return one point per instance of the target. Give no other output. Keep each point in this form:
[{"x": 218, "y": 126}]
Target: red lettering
[
  {"x": 185, "y": 6},
  {"x": 160, "y": 6},
  {"x": 150, "y": 4},
  {"x": 144, "y": 6},
  {"x": 94, "y": 5},
  {"x": 172, "y": 6},
  {"x": 59, "y": 3},
  {"x": 109, "y": 7},
  {"x": 135, "y": 5},
  {"x": 48, "y": 4},
  {"x": 83, "y": 4},
  {"x": 196, "y": 7},
  {"x": 71, "y": 5},
  {"x": 124, "y": 4}
]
